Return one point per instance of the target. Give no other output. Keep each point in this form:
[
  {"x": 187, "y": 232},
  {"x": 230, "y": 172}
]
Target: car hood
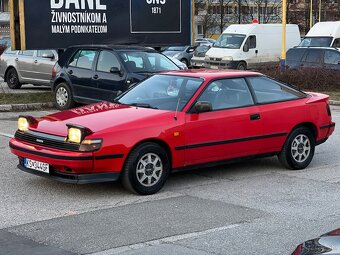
[
  {"x": 326, "y": 244},
  {"x": 97, "y": 117},
  {"x": 171, "y": 53}
]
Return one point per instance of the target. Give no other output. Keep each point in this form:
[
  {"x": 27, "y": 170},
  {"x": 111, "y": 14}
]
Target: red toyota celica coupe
[{"x": 175, "y": 121}]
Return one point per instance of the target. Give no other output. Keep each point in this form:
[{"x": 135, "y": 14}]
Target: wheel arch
[
  {"x": 58, "y": 81},
  {"x": 308, "y": 125},
  {"x": 9, "y": 68},
  {"x": 159, "y": 142}
]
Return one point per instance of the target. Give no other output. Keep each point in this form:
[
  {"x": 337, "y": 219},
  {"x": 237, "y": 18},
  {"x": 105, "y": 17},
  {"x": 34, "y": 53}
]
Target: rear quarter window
[
  {"x": 269, "y": 91},
  {"x": 295, "y": 54}
]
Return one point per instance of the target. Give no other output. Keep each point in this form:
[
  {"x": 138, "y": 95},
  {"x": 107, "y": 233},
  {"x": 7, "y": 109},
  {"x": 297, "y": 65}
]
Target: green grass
[
  {"x": 334, "y": 95},
  {"x": 24, "y": 98}
]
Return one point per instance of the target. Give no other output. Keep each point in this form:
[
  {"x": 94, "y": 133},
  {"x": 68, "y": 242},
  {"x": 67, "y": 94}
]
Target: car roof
[
  {"x": 114, "y": 47},
  {"x": 316, "y": 47},
  {"x": 212, "y": 74}
]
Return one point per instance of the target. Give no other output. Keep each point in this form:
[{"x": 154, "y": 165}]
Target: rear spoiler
[{"x": 317, "y": 97}]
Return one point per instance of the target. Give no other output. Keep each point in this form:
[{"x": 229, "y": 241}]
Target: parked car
[
  {"x": 88, "y": 74},
  {"x": 315, "y": 57},
  {"x": 175, "y": 121},
  {"x": 328, "y": 243},
  {"x": 204, "y": 41},
  {"x": 27, "y": 67},
  {"x": 199, "y": 56},
  {"x": 182, "y": 53}
]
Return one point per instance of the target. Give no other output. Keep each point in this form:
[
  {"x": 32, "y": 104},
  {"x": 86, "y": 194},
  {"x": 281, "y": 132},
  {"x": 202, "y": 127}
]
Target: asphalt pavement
[{"x": 253, "y": 207}]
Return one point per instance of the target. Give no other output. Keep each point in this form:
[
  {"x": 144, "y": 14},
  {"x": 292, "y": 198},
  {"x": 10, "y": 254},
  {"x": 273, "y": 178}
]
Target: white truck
[
  {"x": 243, "y": 46},
  {"x": 323, "y": 34}
]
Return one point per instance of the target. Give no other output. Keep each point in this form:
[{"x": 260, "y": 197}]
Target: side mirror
[
  {"x": 115, "y": 70},
  {"x": 191, "y": 49},
  {"x": 202, "y": 106},
  {"x": 46, "y": 55}
]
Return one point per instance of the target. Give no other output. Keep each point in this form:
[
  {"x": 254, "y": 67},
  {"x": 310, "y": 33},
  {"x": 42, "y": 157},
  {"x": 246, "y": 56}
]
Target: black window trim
[{"x": 81, "y": 49}]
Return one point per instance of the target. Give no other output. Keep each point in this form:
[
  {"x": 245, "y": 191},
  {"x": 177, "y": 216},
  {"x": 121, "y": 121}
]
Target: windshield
[
  {"x": 316, "y": 42},
  {"x": 229, "y": 41},
  {"x": 176, "y": 48},
  {"x": 164, "y": 92},
  {"x": 147, "y": 62}
]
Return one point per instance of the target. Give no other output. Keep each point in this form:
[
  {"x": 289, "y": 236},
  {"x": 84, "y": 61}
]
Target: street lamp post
[
  {"x": 311, "y": 14},
  {"x": 284, "y": 22}
]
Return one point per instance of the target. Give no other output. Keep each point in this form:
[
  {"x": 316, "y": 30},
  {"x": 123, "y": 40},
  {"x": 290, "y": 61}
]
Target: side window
[
  {"x": 332, "y": 57},
  {"x": 228, "y": 93},
  {"x": 267, "y": 90},
  {"x": 295, "y": 54},
  {"x": 313, "y": 56},
  {"x": 40, "y": 53},
  {"x": 106, "y": 61},
  {"x": 252, "y": 42},
  {"x": 336, "y": 43},
  {"x": 83, "y": 59},
  {"x": 28, "y": 53}
]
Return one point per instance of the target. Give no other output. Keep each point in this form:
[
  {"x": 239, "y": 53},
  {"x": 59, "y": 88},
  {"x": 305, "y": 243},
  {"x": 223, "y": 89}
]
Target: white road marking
[
  {"x": 169, "y": 239},
  {"x": 6, "y": 135}
]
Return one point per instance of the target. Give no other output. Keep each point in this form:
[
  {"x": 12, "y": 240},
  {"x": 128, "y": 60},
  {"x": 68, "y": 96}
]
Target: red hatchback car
[{"x": 174, "y": 121}]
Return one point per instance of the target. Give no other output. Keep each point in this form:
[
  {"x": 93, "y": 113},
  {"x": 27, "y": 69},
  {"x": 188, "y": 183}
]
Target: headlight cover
[
  {"x": 76, "y": 134},
  {"x": 24, "y": 122}
]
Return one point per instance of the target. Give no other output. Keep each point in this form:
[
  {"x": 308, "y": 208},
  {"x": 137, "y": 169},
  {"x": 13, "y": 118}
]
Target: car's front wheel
[
  {"x": 63, "y": 97},
  {"x": 12, "y": 79},
  {"x": 146, "y": 169},
  {"x": 298, "y": 150}
]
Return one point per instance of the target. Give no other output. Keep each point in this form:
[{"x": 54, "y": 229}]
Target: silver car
[{"x": 27, "y": 67}]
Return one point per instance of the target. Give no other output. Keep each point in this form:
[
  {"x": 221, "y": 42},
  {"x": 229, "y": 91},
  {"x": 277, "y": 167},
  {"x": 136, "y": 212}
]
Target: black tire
[
  {"x": 184, "y": 61},
  {"x": 148, "y": 180},
  {"x": 63, "y": 97},
  {"x": 12, "y": 79},
  {"x": 241, "y": 66},
  {"x": 298, "y": 150}
]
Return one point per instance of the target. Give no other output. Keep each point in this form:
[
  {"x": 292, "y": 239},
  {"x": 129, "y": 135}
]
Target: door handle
[
  {"x": 35, "y": 61},
  {"x": 255, "y": 116},
  {"x": 95, "y": 76},
  {"x": 70, "y": 72},
  {"x": 16, "y": 59}
]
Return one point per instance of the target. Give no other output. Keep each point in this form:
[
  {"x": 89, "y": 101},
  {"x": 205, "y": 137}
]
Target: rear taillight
[
  {"x": 328, "y": 110},
  {"x": 54, "y": 72}
]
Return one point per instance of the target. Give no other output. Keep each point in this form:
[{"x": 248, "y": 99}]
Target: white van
[
  {"x": 244, "y": 46},
  {"x": 323, "y": 34}
]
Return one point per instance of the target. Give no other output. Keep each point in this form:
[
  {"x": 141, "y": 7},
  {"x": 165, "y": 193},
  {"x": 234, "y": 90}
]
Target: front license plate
[
  {"x": 37, "y": 165},
  {"x": 214, "y": 67}
]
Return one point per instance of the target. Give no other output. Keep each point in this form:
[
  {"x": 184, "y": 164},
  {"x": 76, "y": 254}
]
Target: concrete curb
[
  {"x": 39, "y": 106},
  {"x": 25, "y": 107}
]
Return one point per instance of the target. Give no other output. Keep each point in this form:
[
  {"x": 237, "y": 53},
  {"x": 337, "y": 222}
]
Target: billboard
[{"x": 61, "y": 23}]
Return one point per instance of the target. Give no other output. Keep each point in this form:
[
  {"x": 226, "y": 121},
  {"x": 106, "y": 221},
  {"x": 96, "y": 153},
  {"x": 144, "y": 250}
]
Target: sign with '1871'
[{"x": 61, "y": 23}]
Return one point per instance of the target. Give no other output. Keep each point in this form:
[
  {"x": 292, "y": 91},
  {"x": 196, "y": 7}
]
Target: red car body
[{"x": 188, "y": 139}]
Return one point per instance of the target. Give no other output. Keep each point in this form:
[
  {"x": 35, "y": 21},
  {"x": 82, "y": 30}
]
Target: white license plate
[
  {"x": 214, "y": 67},
  {"x": 37, "y": 165}
]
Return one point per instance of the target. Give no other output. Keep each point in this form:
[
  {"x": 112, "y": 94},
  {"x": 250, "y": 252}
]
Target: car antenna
[{"x": 175, "y": 117}]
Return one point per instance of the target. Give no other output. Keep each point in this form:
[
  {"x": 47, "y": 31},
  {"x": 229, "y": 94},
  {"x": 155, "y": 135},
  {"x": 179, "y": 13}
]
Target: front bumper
[
  {"x": 219, "y": 64},
  {"x": 72, "y": 178}
]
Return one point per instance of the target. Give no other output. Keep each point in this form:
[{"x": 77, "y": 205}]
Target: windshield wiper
[{"x": 143, "y": 105}]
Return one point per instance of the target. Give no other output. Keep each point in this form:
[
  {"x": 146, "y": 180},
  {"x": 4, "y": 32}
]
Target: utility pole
[
  {"x": 239, "y": 11},
  {"x": 284, "y": 21}
]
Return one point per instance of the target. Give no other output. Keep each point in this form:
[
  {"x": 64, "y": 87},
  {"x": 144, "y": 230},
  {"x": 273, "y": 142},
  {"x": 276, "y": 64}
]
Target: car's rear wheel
[
  {"x": 146, "y": 169},
  {"x": 63, "y": 97},
  {"x": 12, "y": 79},
  {"x": 298, "y": 150}
]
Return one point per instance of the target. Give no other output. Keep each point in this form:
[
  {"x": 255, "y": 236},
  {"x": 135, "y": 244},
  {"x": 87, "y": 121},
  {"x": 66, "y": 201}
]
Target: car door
[
  {"x": 24, "y": 63},
  {"x": 109, "y": 75},
  {"x": 332, "y": 59},
  {"x": 280, "y": 111},
  {"x": 43, "y": 64},
  {"x": 249, "y": 51},
  {"x": 80, "y": 73},
  {"x": 231, "y": 129}
]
